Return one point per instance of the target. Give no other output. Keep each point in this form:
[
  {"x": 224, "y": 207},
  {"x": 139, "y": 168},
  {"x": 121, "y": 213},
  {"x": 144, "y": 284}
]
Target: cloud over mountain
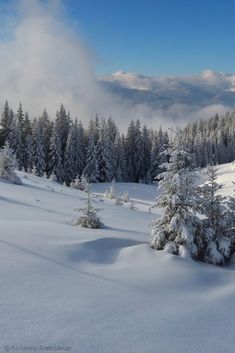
[
  {"x": 43, "y": 63},
  {"x": 176, "y": 97}
]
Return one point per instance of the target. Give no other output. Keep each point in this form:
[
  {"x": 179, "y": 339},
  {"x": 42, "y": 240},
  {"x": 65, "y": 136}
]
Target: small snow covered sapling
[
  {"x": 89, "y": 217},
  {"x": 8, "y": 165},
  {"x": 85, "y": 184},
  {"x": 132, "y": 206},
  {"x": 118, "y": 201},
  {"x": 34, "y": 172},
  {"x": 76, "y": 183},
  {"x": 53, "y": 177},
  {"x": 111, "y": 193},
  {"x": 80, "y": 184},
  {"x": 125, "y": 197}
]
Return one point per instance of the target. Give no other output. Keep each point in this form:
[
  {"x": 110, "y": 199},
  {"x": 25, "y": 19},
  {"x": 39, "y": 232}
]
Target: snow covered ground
[{"x": 104, "y": 291}]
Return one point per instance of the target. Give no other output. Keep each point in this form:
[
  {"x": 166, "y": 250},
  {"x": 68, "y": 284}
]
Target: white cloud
[{"x": 43, "y": 63}]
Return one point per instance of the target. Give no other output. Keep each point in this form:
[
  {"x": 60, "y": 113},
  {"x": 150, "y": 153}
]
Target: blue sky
[
  {"x": 158, "y": 37},
  {"x": 44, "y": 62},
  {"x": 154, "y": 37}
]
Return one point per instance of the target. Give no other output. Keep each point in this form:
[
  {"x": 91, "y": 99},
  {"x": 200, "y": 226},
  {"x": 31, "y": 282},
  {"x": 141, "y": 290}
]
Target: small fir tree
[
  {"x": 217, "y": 244},
  {"x": 111, "y": 192},
  {"x": 8, "y": 165},
  {"x": 89, "y": 217}
]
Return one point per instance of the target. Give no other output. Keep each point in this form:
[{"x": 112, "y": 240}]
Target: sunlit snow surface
[{"x": 104, "y": 291}]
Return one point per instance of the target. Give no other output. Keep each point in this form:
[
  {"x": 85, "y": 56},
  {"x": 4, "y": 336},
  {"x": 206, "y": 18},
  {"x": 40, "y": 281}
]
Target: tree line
[{"x": 63, "y": 147}]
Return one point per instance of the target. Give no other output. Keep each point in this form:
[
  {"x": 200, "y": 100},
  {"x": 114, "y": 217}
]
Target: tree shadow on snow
[
  {"x": 103, "y": 251},
  {"x": 126, "y": 230},
  {"x": 68, "y": 267}
]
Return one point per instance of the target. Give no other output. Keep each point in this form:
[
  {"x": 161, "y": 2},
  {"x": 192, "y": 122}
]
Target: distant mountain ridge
[{"x": 174, "y": 94}]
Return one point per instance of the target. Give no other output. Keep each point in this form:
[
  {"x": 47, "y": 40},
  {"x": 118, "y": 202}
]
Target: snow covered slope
[
  {"x": 226, "y": 176},
  {"x": 104, "y": 290}
]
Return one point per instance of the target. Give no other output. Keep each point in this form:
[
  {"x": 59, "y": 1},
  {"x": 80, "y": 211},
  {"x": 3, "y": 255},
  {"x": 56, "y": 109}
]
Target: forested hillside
[{"x": 63, "y": 147}]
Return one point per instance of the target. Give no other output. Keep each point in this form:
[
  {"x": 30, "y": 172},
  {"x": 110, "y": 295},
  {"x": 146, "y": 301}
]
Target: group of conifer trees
[
  {"x": 62, "y": 146},
  {"x": 197, "y": 221}
]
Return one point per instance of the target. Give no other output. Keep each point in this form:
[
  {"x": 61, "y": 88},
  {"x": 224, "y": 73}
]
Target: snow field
[{"x": 105, "y": 290}]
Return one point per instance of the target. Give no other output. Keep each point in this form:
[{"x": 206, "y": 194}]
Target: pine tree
[
  {"x": 109, "y": 155},
  {"x": 30, "y": 152},
  {"x": 5, "y": 124},
  {"x": 178, "y": 225},
  {"x": 20, "y": 151},
  {"x": 70, "y": 171},
  {"x": 27, "y": 136},
  {"x": 146, "y": 154},
  {"x": 8, "y": 165},
  {"x": 120, "y": 172},
  {"x": 130, "y": 150},
  {"x": 63, "y": 122},
  {"x": 134, "y": 151},
  {"x": 89, "y": 217},
  {"x": 138, "y": 154},
  {"x": 56, "y": 165},
  {"x": 231, "y": 219},
  {"x": 13, "y": 136},
  {"x": 212, "y": 205},
  {"x": 47, "y": 127},
  {"x": 101, "y": 146},
  {"x": 91, "y": 168},
  {"x": 38, "y": 148},
  {"x": 123, "y": 159},
  {"x": 93, "y": 130},
  {"x": 106, "y": 153},
  {"x": 59, "y": 136},
  {"x": 112, "y": 129},
  {"x": 155, "y": 158},
  {"x": 111, "y": 193},
  {"x": 80, "y": 149}
]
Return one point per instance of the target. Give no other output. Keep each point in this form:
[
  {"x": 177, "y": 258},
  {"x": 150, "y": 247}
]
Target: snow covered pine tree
[
  {"x": 8, "y": 165},
  {"x": 216, "y": 239},
  {"x": 91, "y": 169},
  {"x": 177, "y": 229},
  {"x": 231, "y": 219},
  {"x": 89, "y": 217}
]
